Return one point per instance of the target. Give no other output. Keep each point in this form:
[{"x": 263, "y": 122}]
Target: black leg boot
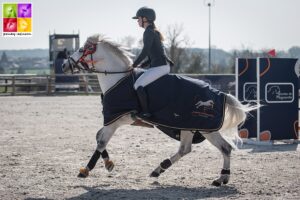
[{"x": 142, "y": 95}]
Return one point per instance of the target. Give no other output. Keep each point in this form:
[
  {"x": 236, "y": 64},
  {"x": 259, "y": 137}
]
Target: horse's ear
[{"x": 93, "y": 39}]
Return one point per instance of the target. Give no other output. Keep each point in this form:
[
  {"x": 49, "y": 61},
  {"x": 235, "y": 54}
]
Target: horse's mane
[{"x": 119, "y": 50}]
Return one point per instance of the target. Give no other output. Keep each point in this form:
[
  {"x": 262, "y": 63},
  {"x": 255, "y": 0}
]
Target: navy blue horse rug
[{"x": 176, "y": 102}]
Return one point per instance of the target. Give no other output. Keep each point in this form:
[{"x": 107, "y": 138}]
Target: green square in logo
[{"x": 9, "y": 10}]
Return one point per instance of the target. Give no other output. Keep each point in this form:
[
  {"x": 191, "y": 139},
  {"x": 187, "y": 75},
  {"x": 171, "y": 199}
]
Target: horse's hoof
[
  {"x": 109, "y": 165},
  {"x": 225, "y": 182},
  {"x": 154, "y": 174},
  {"x": 216, "y": 183},
  {"x": 80, "y": 175},
  {"x": 83, "y": 173}
]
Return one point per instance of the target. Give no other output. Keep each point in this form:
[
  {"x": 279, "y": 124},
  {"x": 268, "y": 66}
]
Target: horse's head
[
  {"x": 78, "y": 60},
  {"x": 100, "y": 56}
]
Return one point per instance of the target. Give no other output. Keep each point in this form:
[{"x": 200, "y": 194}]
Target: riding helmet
[{"x": 149, "y": 13}]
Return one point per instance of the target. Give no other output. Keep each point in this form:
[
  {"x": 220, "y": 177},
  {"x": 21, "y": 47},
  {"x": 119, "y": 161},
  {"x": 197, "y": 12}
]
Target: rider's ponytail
[{"x": 160, "y": 34}]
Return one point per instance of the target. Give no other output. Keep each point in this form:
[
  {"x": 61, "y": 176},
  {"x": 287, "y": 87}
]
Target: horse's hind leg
[
  {"x": 218, "y": 141},
  {"x": 186, "y": 138}
]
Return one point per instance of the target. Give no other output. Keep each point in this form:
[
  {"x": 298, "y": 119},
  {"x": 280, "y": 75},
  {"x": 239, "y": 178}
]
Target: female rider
[{"x": 155, "y": 54}]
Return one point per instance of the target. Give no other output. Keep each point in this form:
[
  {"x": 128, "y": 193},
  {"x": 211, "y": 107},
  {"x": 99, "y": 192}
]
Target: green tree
[
  {"x": 4, "y": 58},
  {"x": 21, "y": 70},
  {"x": 294, "y": 52},
  {"x": 2, "y": 70}
]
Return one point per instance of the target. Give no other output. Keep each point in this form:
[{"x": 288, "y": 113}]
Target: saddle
[{"x": 175, "y": 102}]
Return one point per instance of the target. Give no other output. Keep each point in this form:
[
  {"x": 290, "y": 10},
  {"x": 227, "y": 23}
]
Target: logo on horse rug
[
  {"x": 204, "y": 108},
  {"x": 177, "y": 102}
]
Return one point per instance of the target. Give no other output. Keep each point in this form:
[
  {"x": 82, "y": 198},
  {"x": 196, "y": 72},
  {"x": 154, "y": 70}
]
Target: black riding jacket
[{"x": 153, "y": 49}]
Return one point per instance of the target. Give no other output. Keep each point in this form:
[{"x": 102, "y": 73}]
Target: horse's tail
[{"x": 235, "y": 114}]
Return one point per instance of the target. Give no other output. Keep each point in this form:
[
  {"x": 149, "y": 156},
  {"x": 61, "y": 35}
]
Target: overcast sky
[{"x": 236, "y": 24}]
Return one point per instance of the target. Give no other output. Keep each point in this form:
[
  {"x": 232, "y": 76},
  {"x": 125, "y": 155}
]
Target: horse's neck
[
  {"x": 109, "y": 80},
  {"x": 112, "y": 63}
]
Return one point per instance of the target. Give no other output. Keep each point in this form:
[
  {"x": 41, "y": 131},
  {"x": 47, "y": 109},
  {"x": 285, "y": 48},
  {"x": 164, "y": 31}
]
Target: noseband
[
  {"x": 86, "y": 50},
  {"x": 89, "y": 49}
]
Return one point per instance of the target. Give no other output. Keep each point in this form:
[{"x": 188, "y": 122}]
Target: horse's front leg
[
  {"x": 186, "y": 138},
  {"x": 103, "y": 136}
]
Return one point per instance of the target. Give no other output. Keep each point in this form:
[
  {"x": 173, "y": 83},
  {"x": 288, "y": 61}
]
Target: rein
[
  {"x": 117, "y": 72},
  {"x": 90, "y": 50}
]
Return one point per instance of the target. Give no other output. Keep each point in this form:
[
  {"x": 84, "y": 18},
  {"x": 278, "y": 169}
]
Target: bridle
[{"x": 89, "y": 49}]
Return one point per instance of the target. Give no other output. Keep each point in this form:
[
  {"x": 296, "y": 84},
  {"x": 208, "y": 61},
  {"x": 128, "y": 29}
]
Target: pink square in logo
[{"x": 10, "y": 25}]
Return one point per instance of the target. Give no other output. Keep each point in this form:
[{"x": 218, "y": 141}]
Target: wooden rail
[{"x": 31, "y": 84}]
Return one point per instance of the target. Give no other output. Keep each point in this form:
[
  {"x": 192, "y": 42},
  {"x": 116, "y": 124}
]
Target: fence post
[
  {"x": 86, "y": 84},
  {"x": 5, "y": 91},
  {"x": 48, "y": 85},
  {"x": 13, "y": 86}
]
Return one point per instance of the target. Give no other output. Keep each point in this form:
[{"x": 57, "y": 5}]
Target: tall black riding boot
[{"x": 142, "y": 95}]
